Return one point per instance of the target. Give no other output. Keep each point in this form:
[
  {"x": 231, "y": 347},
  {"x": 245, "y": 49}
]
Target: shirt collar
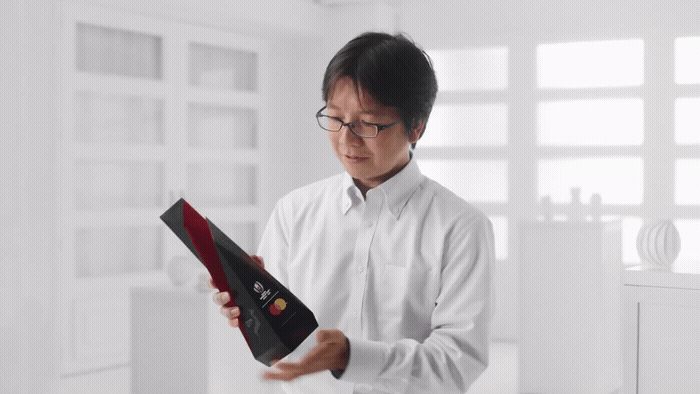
[
  {"x": 350, "y": 193},
  {"x": 397, "y": 190}
]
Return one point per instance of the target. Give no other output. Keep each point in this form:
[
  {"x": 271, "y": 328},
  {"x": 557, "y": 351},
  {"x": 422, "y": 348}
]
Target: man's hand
[
  {"x": 222, "y": 298},
  {"x": 331, "y": 352}
]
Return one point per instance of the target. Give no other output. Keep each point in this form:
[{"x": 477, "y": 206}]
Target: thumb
[
  {"x": 324, "y": 335},
  {"x": 258, "y": 260}
]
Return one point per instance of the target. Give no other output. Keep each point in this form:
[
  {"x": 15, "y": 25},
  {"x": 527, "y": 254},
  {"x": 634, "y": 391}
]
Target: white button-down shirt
[{"x": 404, "y": 273}]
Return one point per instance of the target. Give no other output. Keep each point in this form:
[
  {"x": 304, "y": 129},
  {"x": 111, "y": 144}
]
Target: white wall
[
  {"x": 12, "y": 255},
  {"x": 28, "y": 127},
  {"x": 299, "y": 151}
]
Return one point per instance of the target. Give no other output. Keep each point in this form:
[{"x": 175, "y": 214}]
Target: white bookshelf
[{"x": 153, "y": 110}]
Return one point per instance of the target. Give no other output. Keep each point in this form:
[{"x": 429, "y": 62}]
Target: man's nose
[{"x": 347, "y": 136}]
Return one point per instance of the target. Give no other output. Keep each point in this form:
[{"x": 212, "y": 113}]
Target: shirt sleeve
[
  {"x": 455, "y": 353},
  {"x": 274, "y": 244}
]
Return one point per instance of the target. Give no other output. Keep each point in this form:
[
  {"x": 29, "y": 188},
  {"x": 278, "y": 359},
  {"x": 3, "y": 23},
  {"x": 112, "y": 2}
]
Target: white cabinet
[
  {"x": 661, "y": 322},
  {"x": 569, "y": 292},
  {"x": 182, "y": 344},
  {"x": 152, "y": 110}
]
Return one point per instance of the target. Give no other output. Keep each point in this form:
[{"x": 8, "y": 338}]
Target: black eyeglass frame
[{"x": 377, "y": 127}]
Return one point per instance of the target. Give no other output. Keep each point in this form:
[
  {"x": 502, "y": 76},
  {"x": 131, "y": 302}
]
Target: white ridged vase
[
  {"x": 181, "y": 270},
  {"x": 658, "y": 244}
]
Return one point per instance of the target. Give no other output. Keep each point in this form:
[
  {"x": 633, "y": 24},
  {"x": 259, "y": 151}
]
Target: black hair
[{"x": 392, "y": 69}]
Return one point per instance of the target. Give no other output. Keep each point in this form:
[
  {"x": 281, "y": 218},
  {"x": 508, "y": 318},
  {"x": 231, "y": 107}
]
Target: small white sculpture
[
  {"x": 576, "y": 213},
  {"x": 181, "y": 270},
  {"x": 202, "y": 284},
  {"x": 595, "y": 207},
  {"x": 658, "y": 244}
]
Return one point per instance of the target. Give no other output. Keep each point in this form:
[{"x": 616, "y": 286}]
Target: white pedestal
[
  {"x": 661, "y": 345},
  {"x": 182, "y": 344},
  {"x": 569, "y": 295}
]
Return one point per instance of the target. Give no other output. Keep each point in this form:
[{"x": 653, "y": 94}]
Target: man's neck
[{"x": 366, "y": 186}]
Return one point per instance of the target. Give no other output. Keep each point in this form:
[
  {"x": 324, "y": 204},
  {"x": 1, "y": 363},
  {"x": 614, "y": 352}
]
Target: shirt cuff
[{"x": 365, "y": 361}]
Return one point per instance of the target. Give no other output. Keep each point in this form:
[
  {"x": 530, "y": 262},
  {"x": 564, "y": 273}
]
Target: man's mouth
[{"x": 355, "y": 158}]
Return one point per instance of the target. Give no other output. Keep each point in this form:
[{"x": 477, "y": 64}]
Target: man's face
[{"x": 370, "y": 161}]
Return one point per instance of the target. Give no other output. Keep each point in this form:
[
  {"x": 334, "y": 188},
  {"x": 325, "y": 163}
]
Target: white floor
[{"x": 501, "y": 377}]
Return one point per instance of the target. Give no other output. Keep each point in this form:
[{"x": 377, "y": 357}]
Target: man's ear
[{"x": 417, "y": 130}]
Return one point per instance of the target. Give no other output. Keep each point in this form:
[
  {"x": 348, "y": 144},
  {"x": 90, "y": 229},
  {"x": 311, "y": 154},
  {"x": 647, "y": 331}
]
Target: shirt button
[
  {"x": 361, "y": 268},
  {"x": 369, "y": 224}
]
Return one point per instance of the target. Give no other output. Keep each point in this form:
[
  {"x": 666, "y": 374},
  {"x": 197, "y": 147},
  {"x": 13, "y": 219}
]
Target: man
[{"x": 396, "y": 268}]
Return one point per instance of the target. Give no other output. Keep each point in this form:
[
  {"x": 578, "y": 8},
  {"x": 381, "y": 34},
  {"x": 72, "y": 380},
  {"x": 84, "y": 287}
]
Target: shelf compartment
[
  {"x": 117, "y": 119},
  {"x": 117, "y": 250},
  {"x": 221, "y": 184},
  {"x": 110, "y": 51},
  {"x": 221, "y": 127},
  {"x": 118, "y": 184},
  {"x": 217, "y": 67}
]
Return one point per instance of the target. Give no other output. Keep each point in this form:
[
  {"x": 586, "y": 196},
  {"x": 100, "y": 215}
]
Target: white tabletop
[{"x": 681, "y": 275}]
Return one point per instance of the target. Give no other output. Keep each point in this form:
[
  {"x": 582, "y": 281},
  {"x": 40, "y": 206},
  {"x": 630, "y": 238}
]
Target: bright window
[
  {"x": 472, "y": 113},
  {"x": 687, "y": 60},
  {"x": 591, "y": 122},
  {"x": 630, "y": 229},
  {"x": 590, "y": 64},
  {"x": 474, "y": 181},
  {"x": 688, "y": 182},
  {"x": 471, "y": 69},
  {"x": 689, "y": 255},
  {"x": 687, "y": 120},
  {"x": 465, "y": 125},
  {"x": 500, "y": 231}
]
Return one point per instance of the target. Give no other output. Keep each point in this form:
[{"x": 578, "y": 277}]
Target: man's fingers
[
  {"x": 313, "y": 355},
  {"x": 285, "y": 371},
  {"x": 211, "y": 283},
  {"x": 323, "y": 335},
  {"x": 291, "y": 370},
  {"x": 279, "y": 375},
  {"x": 258, "y": 260},
  {"x": 230, "y": 312},
  {"x": 221, "y": 298}
]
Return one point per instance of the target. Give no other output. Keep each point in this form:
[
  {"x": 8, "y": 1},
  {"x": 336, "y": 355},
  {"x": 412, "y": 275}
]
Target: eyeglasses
[{"x": 360, "y": 128}]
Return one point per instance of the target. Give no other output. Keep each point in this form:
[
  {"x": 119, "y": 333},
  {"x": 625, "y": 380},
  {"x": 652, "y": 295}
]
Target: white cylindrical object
[{"x": 658, "y": 244}]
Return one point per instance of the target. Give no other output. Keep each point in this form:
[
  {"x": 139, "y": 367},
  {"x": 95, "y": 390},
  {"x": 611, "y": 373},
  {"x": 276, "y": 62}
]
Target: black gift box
[{"x": 273, "y": 321}]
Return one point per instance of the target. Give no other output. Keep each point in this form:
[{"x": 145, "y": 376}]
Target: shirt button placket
[{"x": 362, "y": 256}]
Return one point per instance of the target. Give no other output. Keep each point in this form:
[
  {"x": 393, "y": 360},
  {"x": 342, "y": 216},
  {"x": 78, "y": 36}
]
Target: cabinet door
[
  {"x": 116, "y": 104},
  {"x": 669, "y": 341},
  {"x": 152, "y": 110}
]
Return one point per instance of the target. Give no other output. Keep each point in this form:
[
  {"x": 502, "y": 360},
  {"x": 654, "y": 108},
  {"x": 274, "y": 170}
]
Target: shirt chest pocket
[{"x": 405, "y": 296}]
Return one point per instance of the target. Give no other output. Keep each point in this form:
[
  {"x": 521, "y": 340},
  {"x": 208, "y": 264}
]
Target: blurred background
[{"x": 574, "y": 125}]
